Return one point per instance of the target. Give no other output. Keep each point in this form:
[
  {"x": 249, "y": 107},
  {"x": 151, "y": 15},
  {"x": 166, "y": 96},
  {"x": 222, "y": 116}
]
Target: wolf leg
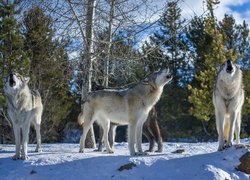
[
  {"x": 86, "y": 127},
  {"x": 226, "y": 127},
  {"x": 220, "y": 118},
  {"x": 106, "y": 126},
  {"x": 112, "y": 133},
  {"x": 38, "y": 138},
  {"x": 154, "y": 127},
  {"x": 231, "y": 130},
  {"x": 25, "y": 141},
  {"x": 131, "y": 138},
  {"x": 100, "y": 140},
  {"x": 149, "y": 136},
  {"x": 237, "y": 127},
  {"x": 139, "y": 136},
  {"x": 17, "y": 134}
]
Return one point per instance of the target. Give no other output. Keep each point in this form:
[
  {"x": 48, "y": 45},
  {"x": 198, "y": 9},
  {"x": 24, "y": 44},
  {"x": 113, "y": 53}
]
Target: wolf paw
[
  {"x": 228, "y": 144},
  {"x": 24, "y": 157},
  {"x": 39, "y": 150},
  {"x": 110, "y": 151},
  {"x": 81, "y": 151},
  {"x": 221, "y": 148},
  {"x": 150, "y": 150},
  {"x": 159, "y": 151},
  {"x": 16, "y": 157}
]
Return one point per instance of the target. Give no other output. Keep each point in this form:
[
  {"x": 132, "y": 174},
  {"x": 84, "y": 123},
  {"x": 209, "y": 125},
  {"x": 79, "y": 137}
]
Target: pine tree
[
  {"x": 171, "y": 39},
  {"x": 200, "y": 40},
  {"x": 49, "y": 70}
]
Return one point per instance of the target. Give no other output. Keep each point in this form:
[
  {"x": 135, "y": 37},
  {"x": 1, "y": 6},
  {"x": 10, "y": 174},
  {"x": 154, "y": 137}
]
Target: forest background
[{"x": 71, "y": 47}]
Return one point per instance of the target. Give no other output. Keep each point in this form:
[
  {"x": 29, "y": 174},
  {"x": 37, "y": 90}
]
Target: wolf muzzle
[
  {"x": 11, "y": 80},
  {"x": 229, "y": 67}
]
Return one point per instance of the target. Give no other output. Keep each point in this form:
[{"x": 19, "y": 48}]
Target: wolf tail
[
  {"x": 81, "y": 118},
  {"x": 226, "y": 126}
]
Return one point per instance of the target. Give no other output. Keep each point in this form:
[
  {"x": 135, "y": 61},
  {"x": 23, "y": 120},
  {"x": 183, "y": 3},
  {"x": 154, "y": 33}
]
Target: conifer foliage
[{"x": 49, "y": 69}]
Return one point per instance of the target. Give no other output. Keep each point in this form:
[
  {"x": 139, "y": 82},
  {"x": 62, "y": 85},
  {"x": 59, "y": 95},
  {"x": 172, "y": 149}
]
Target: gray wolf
[
  {"x": 125, "y": 107},
  {"x": 24, "y": 107},
  {"x": 228, "y": 98},
  {"x": 150, "y": 129}
]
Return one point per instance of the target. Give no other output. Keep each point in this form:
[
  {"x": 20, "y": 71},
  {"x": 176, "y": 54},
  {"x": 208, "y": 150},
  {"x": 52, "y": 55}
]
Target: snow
[{"x": 62, "y": 161}]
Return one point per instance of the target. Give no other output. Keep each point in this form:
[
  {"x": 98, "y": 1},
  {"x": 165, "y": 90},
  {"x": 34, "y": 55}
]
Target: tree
[
  {"x": 171, "y": 39},
  {"x": 49, "y": 70},
  {"x": 12, "y": 56},
  {"x": 200, "y": 40}
]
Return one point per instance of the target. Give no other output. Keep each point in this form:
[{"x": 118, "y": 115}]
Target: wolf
[
  {"x": 228, "y": 98},
  {"x": 24, "y": 106},
  {"x": 151, "y": 130},
  {"x": 125, "y": 107}
]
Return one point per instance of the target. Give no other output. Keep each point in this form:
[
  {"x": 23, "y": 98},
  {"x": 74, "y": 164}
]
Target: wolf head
[
  {"x": 228, "y": 71},
  {"x": 14, "y": 83},
  {"x": 159, "y": 78}
]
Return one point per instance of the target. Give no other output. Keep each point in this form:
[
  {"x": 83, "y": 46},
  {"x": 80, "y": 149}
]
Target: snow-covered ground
[{"x": 199, "y": 161}]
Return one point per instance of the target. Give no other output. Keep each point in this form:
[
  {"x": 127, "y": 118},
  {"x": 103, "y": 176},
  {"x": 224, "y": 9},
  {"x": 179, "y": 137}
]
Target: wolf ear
[{"x": 26, "y": 79}]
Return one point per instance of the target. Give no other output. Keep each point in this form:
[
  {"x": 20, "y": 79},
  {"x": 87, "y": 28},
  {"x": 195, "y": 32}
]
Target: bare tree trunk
[
  {"x": 87, "y": 60},
  {"x": 89, "y": 51},
  {"x": 106, "y": 68}
]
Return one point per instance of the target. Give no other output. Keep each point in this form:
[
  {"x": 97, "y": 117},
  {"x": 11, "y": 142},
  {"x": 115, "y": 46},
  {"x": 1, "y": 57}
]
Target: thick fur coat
[
  {"x": 228, "y": 98},
  {"x": 124, "y": 107},
  {"x": 24, "y": 107}
]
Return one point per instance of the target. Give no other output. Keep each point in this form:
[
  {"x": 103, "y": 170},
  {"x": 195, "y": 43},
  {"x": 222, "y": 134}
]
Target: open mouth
[
  {"x": 12, "y": 83},
  {"x": 229, "y": 67}
]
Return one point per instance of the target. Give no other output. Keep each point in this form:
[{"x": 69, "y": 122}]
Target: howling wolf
[
  {"x": 228, "y": 98},
  {"x": 125, "y": 107},
  {"x": 23, "y": 106}
]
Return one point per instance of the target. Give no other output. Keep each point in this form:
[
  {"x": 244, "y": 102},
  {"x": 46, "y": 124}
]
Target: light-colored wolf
[
  {"x": 228, "y": 98},
  {"x": 23, "y": 106},
  {"x": 128, "y": 107}
]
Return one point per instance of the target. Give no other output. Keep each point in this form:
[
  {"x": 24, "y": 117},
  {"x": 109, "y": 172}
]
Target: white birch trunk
[
  {"x": 106, "y": 68},
  {"x": 87, "y": 68}
]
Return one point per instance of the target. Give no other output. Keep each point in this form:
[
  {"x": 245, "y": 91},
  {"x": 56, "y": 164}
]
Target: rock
[
  {"x": 127, "y": 166},
  {"x": 245, "y": 163},
  {"x": 33, "y": 172},
  {"x": 179, "y": 151}
]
